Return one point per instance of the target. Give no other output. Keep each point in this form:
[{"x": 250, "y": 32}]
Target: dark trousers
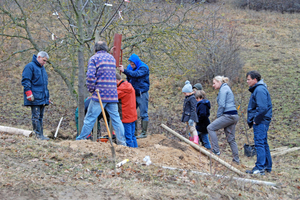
[{"x": 37, "y": 114}]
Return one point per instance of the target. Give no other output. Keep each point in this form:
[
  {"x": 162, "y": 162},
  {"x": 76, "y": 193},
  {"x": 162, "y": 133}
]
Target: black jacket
[{"x": 203, "y": 112}]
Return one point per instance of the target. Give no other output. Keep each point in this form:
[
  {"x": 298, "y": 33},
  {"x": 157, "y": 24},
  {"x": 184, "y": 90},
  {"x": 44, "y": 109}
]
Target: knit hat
[
  {"x": 198, "y": 86},
  {"x": 188, "y": 87}
]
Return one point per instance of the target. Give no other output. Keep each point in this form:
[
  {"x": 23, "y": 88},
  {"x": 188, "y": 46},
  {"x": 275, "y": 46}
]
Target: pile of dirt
[{"x": 162, "y": 152}]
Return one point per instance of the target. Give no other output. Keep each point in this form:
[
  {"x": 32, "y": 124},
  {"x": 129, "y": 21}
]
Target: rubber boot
[
  {"x": 144, "y": 130},
  {"x": 38, "y": 130},
  {"x": 196, "y": 139},
  {"x": 136, "y": 129}
]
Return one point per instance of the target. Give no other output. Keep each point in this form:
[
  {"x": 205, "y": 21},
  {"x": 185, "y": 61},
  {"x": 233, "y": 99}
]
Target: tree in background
[{"x": 183, "y": 41}]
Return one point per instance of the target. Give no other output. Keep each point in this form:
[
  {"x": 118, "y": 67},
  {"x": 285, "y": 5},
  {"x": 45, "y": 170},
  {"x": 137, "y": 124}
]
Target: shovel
[
  {"x": 249, "y": 150},
  {"x": 112, "y": 148}
]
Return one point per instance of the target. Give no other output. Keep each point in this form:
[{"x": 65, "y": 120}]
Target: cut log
[
  {"x": 285, "y": 151},
  {"x": 203, "y": 151},
  {"x": 16, "y": 131}
]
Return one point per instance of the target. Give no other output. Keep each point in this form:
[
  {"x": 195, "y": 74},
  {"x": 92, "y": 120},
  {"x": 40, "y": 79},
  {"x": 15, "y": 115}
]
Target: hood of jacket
[
  {"x": 34, "y": 59},
  {"x": 126, "y": 86},
  {"x": 261, "y": 82},
  {"x": 137, "y": 61},
  {"x": 205, "y": 102}
]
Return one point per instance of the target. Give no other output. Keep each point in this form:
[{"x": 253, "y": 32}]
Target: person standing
[
  {"x": 189, "y": 114},
  {"x": 227, "y": 117},
  {"x": 259, "y": 116},
  {"x": 101, "y": 75},
  {"x": 137, "y": 73},
  {"x": 36, "y": 93},
  {"x": 127, "y": 109},
  {"x": 203, "y": 113}
]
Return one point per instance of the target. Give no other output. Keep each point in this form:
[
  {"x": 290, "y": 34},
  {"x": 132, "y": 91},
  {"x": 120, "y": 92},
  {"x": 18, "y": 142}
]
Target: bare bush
[{"x": 290, "y": 6}]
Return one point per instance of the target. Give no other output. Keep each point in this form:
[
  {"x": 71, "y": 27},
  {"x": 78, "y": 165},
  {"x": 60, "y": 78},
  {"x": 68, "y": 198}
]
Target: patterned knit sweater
[{"x": 101, "y": 74}]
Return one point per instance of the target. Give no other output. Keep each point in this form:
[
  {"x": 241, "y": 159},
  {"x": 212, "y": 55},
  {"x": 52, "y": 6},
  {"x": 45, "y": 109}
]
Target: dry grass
[{"x": 32, "y": 169}]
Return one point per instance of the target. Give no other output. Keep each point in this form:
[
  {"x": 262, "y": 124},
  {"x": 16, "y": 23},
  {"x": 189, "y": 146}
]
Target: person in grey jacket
[{"x": 227, "y": 117}]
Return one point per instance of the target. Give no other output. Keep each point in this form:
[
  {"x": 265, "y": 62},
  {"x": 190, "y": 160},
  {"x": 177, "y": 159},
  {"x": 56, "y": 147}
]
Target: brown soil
[{"x": 161, "y": 150}]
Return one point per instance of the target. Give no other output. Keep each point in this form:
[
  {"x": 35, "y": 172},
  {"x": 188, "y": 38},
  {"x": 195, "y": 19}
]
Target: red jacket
[{"x": 127, "y": 102}]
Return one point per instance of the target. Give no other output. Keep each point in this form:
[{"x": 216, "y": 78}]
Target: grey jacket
[{"x": 225, "y": 100}]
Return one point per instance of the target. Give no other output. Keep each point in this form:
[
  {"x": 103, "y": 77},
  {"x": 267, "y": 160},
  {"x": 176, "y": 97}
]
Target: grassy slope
[{"x": 271, "y": 45}]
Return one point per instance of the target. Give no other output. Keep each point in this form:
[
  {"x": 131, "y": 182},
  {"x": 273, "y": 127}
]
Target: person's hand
[
  {"x": 191, "y": 122},
  {"x": 121, "y": 68},
  {"x": 29, "y": 95}
]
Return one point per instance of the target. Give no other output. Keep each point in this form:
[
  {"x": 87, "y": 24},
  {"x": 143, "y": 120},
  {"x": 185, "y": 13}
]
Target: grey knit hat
[
  {"x": 187, "y": 87},
  {"x": 198, "y": 86}
]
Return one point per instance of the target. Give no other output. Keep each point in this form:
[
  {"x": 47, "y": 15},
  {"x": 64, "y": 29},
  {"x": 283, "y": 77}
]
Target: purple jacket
[{"x": 101, "y": 74}]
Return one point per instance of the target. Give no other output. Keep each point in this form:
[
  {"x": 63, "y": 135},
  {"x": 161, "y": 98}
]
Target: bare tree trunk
[{"x": 81, "y": 79}]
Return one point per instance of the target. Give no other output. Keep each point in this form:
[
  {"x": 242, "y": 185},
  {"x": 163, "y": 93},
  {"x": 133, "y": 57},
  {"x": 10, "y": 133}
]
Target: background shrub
[{"x": 282, "y": 6}]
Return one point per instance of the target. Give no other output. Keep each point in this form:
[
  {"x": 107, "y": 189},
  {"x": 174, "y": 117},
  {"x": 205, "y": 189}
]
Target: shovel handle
[{"x": 103, "y": 113}]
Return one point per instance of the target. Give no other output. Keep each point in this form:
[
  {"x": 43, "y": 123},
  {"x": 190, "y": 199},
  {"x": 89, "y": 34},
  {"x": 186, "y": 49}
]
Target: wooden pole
[
  {"x": 285, "y": 151},
  {"x": 203, "y": 150},
  {"x": 16, "y": 131}
]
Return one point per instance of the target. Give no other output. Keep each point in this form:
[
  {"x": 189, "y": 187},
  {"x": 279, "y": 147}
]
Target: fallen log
[
  {"x": 203, "y": 151},
  {"x": 285, "y": 151},
  {"x": 16, "y": 131}
]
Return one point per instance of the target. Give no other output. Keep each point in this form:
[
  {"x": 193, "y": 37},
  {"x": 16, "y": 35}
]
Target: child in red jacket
[{"x": 127, "y": 109}]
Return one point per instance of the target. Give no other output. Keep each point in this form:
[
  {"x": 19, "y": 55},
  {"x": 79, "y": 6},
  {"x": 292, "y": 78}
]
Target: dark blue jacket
[
  {"x": 260, "y": 105},
  {"x": 139, "y": 76},
  {"x": 189, "y": 109},
  {"x": 203, "y": 112},
  {"x": 35, "y": 78}
]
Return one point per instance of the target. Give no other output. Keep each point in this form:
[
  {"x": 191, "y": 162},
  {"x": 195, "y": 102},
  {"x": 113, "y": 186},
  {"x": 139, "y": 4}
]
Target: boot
[
  {"x": 136, "y": 129},
  {"x": 144, "y": 130},
  {"x": 196, "y": 139},
  {"x": 38, "y": 130}
]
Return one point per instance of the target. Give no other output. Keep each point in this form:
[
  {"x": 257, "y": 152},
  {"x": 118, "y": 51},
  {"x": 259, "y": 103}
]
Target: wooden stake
[{"x": 203, "y": 150}]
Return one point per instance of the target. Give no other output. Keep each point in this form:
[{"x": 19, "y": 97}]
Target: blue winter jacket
[
  {"x": 139, "y": 76},
  {"x": 35, "y": 78},
  {"x": 260, "y": 105}
]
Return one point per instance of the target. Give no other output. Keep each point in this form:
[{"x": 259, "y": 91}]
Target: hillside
[{"x": 66, "y": 169}]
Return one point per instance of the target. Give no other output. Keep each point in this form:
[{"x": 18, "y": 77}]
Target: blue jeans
[
  {"x": 129, "y": 134},
  {"x": 142, "y": 103},
  {"x": 37, "y": 113},
  {"x": 264, "y": 160},
  {"x": 204, "y": 139},
  {"x": 94, "y": 111}
]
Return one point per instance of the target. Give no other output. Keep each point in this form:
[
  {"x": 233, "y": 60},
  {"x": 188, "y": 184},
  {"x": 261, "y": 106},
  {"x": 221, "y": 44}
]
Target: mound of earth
[{"x": 161, "y": 150}]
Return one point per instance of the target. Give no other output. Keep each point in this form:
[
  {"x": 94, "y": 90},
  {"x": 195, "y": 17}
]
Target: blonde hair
[
  {"x": 200, "y": 94},
  {"x": 221, "y": 79}
]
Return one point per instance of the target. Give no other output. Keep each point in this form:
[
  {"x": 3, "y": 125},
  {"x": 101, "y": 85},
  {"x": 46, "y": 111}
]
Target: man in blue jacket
[
  {"x": 259, "y": 117},
  {"x": 137, "y": 73},
  {"x": 36, "y": 93}
]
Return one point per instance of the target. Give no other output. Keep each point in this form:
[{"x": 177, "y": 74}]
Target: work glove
[
  {"x": 191, "y": 122},
  {"x": 29, "y": 95}
]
